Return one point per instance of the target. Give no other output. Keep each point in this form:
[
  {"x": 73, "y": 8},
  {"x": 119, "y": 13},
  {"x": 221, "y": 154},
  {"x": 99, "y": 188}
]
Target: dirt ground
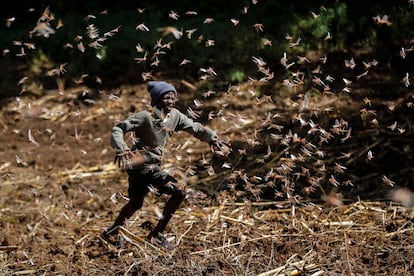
[{"x": 59, "y": 189}]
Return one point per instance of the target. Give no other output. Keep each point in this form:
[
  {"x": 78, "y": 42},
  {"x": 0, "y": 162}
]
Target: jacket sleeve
[
  {"x": 199, "y": 131},
  {"x": 120, "y": 129}
]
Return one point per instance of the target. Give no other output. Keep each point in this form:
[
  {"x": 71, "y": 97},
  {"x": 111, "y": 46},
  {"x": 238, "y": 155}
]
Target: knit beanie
[{"x": 159, "y": 88}]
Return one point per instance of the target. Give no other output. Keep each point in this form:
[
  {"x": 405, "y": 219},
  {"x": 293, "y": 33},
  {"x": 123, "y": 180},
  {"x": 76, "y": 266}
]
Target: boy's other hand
[
  {"x": 129, "y": 159},
  {"x": 220, "y": 147}
]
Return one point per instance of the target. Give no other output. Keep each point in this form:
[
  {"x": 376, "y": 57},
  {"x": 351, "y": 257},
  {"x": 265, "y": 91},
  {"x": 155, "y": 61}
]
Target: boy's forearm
[{"x": 208, "y": 135}]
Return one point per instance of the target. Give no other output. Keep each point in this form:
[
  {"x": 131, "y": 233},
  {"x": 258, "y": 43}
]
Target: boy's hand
[
  {"x": 122, "y": 157},
  {"x": 220, "y": 147},
  {"x": 129, "y": 160}
]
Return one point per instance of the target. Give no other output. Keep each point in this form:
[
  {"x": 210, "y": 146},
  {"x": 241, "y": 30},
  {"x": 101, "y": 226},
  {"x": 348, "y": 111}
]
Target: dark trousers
[{"x": 139, "y": 186}]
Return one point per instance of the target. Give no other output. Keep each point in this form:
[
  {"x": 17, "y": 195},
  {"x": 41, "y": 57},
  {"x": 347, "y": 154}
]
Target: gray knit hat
[{"x": 159, "y": 88}]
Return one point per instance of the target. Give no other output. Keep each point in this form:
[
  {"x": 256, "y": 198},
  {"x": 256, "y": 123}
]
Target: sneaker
[
  {"x": 160, "y": 240},
  {"x": 109, "y": 236}
]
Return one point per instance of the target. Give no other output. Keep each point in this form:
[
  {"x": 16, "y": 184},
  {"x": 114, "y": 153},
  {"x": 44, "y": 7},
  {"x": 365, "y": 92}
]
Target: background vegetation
[{"x": 352, "y": 25}]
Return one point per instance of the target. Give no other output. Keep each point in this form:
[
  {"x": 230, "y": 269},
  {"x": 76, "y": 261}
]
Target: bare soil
[{"x": 59, "y": 189}]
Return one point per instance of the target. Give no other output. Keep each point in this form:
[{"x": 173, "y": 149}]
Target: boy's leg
[
  {"x": 136, "y": 192},
  {"x": 126, "y": 212},
  {"x": 171, "y": 206}
]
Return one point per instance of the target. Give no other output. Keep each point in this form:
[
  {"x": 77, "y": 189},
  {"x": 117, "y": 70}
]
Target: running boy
[{"x": 142, "y": 161}]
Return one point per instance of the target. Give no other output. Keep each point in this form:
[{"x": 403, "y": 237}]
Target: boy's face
[{"x": 167, "y": 102}]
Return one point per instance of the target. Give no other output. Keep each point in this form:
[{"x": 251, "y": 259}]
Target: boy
[{"x": 142, "y": 160}]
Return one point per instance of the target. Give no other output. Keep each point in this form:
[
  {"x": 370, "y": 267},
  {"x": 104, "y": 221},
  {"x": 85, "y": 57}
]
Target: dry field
[{"x": 59, "y": 189}]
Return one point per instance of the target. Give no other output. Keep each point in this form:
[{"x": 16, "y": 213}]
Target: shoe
[
  {"x": 109, "y": 236},
  {"x": 159, "y": 240}
]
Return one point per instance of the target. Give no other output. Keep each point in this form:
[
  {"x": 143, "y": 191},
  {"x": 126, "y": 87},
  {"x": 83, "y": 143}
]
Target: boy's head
[{"x": 157, "y": 89}]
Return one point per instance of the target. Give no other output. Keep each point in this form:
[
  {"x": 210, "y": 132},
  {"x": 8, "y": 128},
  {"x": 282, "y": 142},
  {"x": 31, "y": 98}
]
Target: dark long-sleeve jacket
[{"x": 152, "y": 131}]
